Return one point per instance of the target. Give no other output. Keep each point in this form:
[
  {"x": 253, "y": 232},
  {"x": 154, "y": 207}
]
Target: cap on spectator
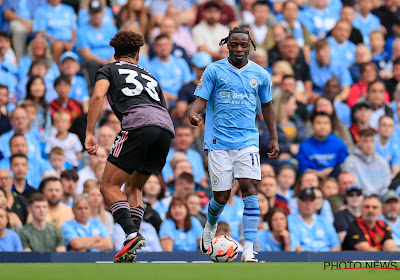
[
  {"x": 201, "y": 60},
  {"x": 391, "y": 194},
  {"x": 307, "y": 193},
  {"x": 354, "y": 188},
  {"x": 362, "y": 104},
  {"x": 95, "y": 6},
  {"x": 291, "y": 162},
  {"x": 69, "y": 54},
  {"x": 212, "y": 4}
]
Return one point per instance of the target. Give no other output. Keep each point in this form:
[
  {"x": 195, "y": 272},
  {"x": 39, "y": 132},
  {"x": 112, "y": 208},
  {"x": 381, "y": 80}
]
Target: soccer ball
[{"x": 223, "y": 249}]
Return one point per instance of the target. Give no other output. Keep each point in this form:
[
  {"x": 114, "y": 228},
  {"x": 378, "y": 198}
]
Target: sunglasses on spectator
[{"x": 354, "y": 194}]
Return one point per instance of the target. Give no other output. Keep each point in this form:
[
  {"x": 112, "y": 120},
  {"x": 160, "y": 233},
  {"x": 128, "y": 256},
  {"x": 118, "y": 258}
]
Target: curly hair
[{"x": 126, "y": 43}]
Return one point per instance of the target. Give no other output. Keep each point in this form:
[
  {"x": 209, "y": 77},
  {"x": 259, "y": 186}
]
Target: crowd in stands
[{"x": 335, "y": 67}]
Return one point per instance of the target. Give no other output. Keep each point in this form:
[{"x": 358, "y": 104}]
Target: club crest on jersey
[
  {"x": 253, "y": 83},
  {"x": 201, "y": 80}
]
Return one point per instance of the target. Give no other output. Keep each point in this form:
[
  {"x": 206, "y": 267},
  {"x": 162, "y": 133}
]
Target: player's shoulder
[{"x": 257, "y": 68}]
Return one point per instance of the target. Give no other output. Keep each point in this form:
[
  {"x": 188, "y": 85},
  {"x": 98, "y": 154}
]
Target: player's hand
[
  {"x": 91, "y": 144},
  {"x": 274, "y": 148},
  {"x": 195, "y": 119}
]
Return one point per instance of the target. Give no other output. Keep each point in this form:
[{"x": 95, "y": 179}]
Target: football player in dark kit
[{"x": 141, "y": 147}]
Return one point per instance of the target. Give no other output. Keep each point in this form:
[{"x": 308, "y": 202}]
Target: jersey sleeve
[
  {"x": 206, "y": 84},
  {"x": 69, "y": 233},
  {"x": 354, "y": 236},
  {"x": 265, "y": 90},
  {"x": 60, "y": 237},
  {"x": 24, "y": 239},
  {"x": 388, "y": 234},
  {"x": 39, "y": 21},
  {"x": 333, "y": 238},
  {"x": 167, "y": 229},
  {"x": 103, "y": 73},
  {"x": 82, "y": 39}
]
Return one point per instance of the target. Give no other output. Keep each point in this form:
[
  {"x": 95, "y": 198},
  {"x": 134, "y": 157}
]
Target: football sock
[
  {"x": 214, "y": 210},
  {"x": 137, "y": 215},
  {"x": 121, "y": 213},
  {"x": 251, "y": 215}
]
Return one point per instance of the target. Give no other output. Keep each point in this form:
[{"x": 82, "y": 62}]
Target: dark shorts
[{"x": 144, "y": 150}]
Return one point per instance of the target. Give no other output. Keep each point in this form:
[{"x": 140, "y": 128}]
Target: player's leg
[
  {"x": 247, "y": 170},
  {"x": 221, "y": 173}
]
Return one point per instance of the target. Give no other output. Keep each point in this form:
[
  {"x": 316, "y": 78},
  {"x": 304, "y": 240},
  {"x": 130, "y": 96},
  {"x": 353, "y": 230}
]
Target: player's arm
[
  {"x": 197, "y": 107},
  {"x": 95, "y": 108},
  {"x": 270, "y": 121}
]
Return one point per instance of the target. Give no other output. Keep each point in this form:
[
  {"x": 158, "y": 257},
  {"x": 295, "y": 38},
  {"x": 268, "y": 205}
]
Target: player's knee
[
  {"x": 249, "y": 187},
  {"x": 222, "y": 197}
]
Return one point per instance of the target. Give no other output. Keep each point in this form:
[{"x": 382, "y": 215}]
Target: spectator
[
  {"x": 392, "y": 83},
  {"x": 371, "y": 171},
  {"x": 390, "y": 213},
  {"x": 365, "y": 21},
  {"x": 63, "y": 103},
  {"x": 15, "y": 203},
  {"x": 387, "y": 14},
  {"x": 19, "y": 15},
  {"x": 289, "y": 84},
  {"x": 224, "y": 229},
  {"x": 263, "y": 204},
  {"x": 93, "y": 40},
  {"x": 69, "y": 66},
  {"x": 279, "y": 70},
  {"x": 386, "y": 145},
  {"x": 330, "y": 191},
  {"x": 323, "y": 152},
  {"x": 69, "y": 180},
  {"x": 57, "y": 160},
  {"x": 178, "y": 70},
  {"x": 345, "y": 180},
  {"x": 368, "y": 233},
  {"x": 269, "y": 186},
  {"x": 260, "y": 10},
  {"x": 9, "y": 240},
  {"x": 180, "y": 232},
  {"x": 37, "y": 165},
  {"x": 379, "y": 56},
  {"x": 97, "y": 210},
  {"x": 106, "y": 137},
  {"x": 332, "y": 91},
  {"x": 363, "y": 55},
  {"x": 112, "y": 121},
  {"x": 310, "y": 231},
  {"x": 36, "y": 92},
  {"x": 14, "y": 221},
  {"x": 277, "y": 238},
  {"x": 135, "y": 11},
  {"x": 4, "y": 120},
  {"x": 292, "y": 126},
  {"x": 228, "y": 16},
  {"x": 323, "y": 68},
  {"x": 20, "y": 123},
  {"x": 39, "y": 236},
  {"x": 159, "y": 8},
  {"x": 67, "y": 141},
  {"x": 376, "y": 97},
  {"x": 354, "y": 198},
  {"x": 193, "y": 203},
  {"x": 361, "y": 114},
  {"x": 57, "y": 22},
  {"x": 207, "y": 34},
  {"x": 19, "y": 167},
  {"x": 183, "y": 139},
  {"x": 185, "y": 95},
  {"x": 358, "y": 91},
  {"x": 83, "y": 13},
  {"x": 342, "y": 49},
  {"x": 83, "y": 233},
  {"x": 58, "y": 212},
  {"x": 286, "y": 178},
  {"x": 267, "y": 170},
  {"x": 87, "y": 172},
  {"x": 233, "y": 212},
  {"x": 391, "y": 39},
  {"x": 348, "y": 14},
  {"x": 153, "y": 192}
]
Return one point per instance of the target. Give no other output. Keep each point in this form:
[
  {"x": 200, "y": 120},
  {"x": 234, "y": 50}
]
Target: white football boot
[{"x": 207, "y": 237}]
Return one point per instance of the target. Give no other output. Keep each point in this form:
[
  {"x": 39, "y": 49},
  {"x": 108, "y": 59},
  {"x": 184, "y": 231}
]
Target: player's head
[
  {"x": 127, "y": 44},
  {"x": 238, "y": 42}
]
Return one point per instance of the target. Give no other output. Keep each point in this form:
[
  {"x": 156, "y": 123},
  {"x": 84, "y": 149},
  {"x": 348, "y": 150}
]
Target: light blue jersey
[
  {"x": 343, "y": 53},
  {"x": 390, "y": 151},
  {"x": 79, "y": 89},
  {"x": 266, "y": 242},
  {"x": 231, "y": 107},
  {"x": 318, "y": 22},
  {"x": 233, "y": 215},
  {"x": 72, "y": 229},
  {"x": 395, "y": 229},
  {"x": 10, "y": 242},
  {"x": 366, "y": 25},
  {"x": 183, "y": 241},
  {"x": 58, "y": 22},
  {"x": 319, "y": 236}
]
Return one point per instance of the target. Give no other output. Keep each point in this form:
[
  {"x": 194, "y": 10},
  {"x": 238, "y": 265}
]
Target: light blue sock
[
  {"x": 251, "y": 215},
  {"x": 214, "y": 210}
]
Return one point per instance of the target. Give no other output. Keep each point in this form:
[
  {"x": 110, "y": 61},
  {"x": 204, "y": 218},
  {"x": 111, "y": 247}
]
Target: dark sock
[
  {"x": 121, "y": 213},
  {"x": 137, "y": 215}
]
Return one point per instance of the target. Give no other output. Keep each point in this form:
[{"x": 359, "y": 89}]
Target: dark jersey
[
  {"x": 135, "y": 96},
  {"x": 130, "y": 85}
]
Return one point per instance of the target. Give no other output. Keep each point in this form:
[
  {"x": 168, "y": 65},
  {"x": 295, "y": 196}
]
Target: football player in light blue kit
[{"x": 230, "y": 88}]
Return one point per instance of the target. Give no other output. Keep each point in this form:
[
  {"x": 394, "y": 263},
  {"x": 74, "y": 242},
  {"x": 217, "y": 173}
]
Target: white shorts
[{"x": 226, "y": 166}]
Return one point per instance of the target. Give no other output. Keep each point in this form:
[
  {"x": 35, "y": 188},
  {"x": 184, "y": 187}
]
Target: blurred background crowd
[{"x": 335, "y": 67}]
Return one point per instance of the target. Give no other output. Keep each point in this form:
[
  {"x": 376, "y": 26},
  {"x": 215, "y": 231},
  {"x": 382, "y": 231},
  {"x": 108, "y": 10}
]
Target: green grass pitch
[{"x": 206, "y": 271}]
